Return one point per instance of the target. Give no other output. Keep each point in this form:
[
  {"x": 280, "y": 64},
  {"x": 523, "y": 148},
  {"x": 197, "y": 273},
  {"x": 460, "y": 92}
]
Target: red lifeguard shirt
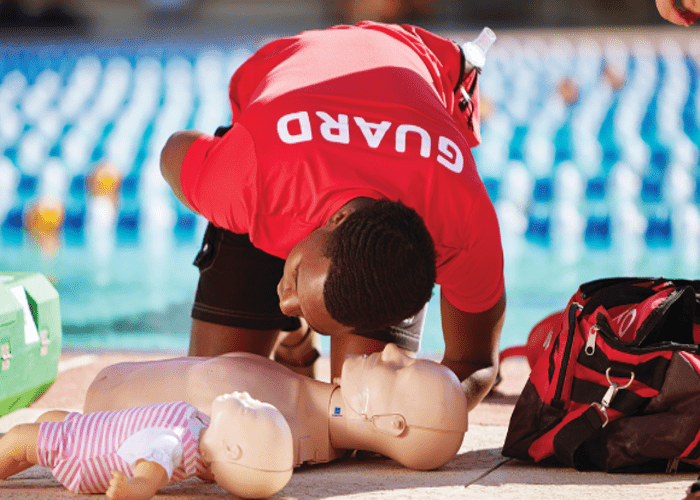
[{"x": 331, "y": 115}]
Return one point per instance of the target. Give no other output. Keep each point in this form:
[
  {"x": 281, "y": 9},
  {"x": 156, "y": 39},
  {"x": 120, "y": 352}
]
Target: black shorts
[
  {"x": 238, "y": 283},
  {"x": 238, "y": 287}
]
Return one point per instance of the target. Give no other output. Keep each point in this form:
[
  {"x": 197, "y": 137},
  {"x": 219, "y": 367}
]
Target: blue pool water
[
  {"x": 597, "y": 182},
  {"x": 138, "y": 295}
]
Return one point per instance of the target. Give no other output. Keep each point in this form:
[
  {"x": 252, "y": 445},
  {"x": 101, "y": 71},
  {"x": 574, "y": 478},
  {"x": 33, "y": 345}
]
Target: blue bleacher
[
  {"x": 597, "y": 231},
  {"x": 633, "y": 129}
]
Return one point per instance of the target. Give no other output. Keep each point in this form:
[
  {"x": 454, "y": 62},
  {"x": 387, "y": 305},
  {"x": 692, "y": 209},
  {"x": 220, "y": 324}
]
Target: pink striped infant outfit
[{"x": 83, "y": 450}]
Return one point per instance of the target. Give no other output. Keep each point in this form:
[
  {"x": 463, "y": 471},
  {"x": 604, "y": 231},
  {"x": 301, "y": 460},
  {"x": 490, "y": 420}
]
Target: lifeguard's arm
[
  {"x": 148, "y": 478},
  {"x": 171, "y": 158},
  {"x": 471, "y": 346}
]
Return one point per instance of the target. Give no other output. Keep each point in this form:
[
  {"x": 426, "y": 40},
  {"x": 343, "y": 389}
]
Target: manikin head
[
  {"x": 414, "y": 410},
  {"x": 249, "y": 446}
]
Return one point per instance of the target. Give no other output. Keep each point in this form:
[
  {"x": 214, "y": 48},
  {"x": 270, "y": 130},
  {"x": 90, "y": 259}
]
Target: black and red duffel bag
[{"x": 618, "y": 383}]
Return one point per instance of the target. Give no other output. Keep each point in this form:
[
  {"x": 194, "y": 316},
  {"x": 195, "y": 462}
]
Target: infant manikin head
[
  {"x": 249, "y": 446},
  {"x": 416, "y": 407}
]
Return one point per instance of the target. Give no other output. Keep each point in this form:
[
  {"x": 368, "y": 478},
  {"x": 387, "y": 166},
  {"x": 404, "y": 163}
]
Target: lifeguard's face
[
  {"x": 391, "y": 382},
  {"x": 301, "y": 288}
]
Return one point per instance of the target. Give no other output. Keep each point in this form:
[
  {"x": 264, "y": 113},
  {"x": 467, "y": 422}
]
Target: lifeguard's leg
[
  {"x": 236, "y": 307},
  {"x": 18, "y": 449},
  {"x": 210, "y": 339}
]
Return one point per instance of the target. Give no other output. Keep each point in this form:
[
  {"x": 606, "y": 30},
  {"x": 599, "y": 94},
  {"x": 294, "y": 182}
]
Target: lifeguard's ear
[
  {"x": 338, "y": 217},
  {"x": 394, "y": 425}
]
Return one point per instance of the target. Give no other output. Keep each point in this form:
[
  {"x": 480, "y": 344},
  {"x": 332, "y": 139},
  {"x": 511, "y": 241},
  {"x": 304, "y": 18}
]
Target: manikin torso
[{"x": 304, "y": 402}]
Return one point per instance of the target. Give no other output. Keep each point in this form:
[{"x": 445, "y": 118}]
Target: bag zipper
[
  {"x": 590, "y": 341},
  {"x": 573, "y": 309}
]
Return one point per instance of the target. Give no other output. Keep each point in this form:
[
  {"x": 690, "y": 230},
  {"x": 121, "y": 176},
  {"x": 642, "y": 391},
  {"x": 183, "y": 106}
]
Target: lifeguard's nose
[{"x": 289, "y": 303}]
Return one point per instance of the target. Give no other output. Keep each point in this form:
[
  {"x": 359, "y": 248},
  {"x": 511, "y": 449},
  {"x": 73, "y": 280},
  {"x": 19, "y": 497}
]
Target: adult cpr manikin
[{"x": 411, "y": 410}]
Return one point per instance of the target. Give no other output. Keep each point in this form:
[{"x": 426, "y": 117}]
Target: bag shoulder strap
[{"x": 569, "y": 439}]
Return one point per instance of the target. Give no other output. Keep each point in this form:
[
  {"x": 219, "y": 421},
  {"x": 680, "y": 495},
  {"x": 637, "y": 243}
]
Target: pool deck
[{"x": 479, "y": 471}]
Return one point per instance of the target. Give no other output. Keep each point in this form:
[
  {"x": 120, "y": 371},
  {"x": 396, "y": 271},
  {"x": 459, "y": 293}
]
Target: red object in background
[{"x": 537, "y": 340}]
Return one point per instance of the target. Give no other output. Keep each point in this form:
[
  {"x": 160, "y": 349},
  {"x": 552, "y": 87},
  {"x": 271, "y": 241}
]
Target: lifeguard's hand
[{"x": 680, "y": 16}]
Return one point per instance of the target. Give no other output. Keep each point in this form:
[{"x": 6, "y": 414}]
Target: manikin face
[
  {"x": 301, "y": 288},
  {"x": 240, "y": 436},
  {"x": 392, "y": 383}
]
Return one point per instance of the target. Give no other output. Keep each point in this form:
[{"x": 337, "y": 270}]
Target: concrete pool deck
[{"x": 479, "y": 471}]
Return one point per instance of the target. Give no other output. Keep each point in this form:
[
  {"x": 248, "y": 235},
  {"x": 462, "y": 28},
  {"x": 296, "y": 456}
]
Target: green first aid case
[{"x": 30, "y": 338}]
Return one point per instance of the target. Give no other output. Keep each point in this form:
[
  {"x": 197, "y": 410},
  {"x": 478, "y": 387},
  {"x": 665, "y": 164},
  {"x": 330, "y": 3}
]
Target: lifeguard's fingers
[
  {"x": 690, "y": 16},
  {"x": 692, "y": 5},
  {"x": 668, "y": 10}
]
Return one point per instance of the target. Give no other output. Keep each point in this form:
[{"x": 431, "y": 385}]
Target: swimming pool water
[
  {"x": 129, "y": 296},
  {"x": 137, "y": 295}
]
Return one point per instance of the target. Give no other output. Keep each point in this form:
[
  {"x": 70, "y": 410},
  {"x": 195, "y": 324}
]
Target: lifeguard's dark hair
[{"x": 382, "y": 267}]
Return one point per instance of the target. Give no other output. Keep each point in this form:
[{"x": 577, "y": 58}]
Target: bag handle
[{"x": 573, "y": 435}]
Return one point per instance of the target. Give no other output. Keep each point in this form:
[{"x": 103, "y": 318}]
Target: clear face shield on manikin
[{"x": 394, "y": 391}]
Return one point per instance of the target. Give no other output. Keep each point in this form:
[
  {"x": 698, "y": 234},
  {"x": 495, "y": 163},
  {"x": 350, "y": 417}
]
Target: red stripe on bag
[{"x": 543, "y": 447}]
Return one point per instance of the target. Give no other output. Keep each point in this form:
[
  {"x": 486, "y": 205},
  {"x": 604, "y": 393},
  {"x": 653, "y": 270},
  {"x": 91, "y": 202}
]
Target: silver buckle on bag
[{"x": 610, "y": 394}]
